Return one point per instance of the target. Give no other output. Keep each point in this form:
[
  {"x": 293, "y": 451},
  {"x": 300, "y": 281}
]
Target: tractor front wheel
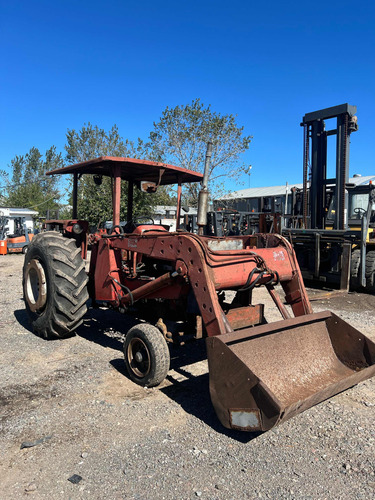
[
  {"x": 146, "y": 355},
  {"x": 54, "y": 285}
]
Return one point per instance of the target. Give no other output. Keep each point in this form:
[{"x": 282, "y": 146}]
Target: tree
[
  {"x": 29, "y": 187},
  {"x": 181, "y": 136},
  {"x": 95, "y": 202},
  {"x": 3, "y": 186}
]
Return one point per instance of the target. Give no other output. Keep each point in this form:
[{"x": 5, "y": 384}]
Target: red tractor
[{"x": 177, "y": 284}]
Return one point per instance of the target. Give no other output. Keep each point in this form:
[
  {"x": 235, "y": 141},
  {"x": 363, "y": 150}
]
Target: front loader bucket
[{"x": 262, "y": 376}]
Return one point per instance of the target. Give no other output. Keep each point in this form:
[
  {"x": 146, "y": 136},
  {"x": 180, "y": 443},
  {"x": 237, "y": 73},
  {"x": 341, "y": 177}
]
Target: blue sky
[{"x": 66, "y": 63}]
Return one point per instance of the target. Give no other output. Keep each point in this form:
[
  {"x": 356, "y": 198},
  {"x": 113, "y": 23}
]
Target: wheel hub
[
  {"x": 35, "y": 286},
  {"x": 138, "y": 357}
]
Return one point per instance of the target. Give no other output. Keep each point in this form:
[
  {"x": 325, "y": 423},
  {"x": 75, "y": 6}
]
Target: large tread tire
[
  {"x": 54, "y": 285},
  {"x": 147, "y": 357},
  {"x": 354, "y": 269},
  {"x": 370, "y": 271}
]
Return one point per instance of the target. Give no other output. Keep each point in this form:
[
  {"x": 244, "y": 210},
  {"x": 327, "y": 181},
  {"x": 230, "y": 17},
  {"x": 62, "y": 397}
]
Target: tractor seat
[{"x": 148, "y": 228}]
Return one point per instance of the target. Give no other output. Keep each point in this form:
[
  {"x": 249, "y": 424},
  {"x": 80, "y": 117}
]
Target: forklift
[
  {"x": 19, "y": 240},
  {"x": 335, "y": 242}
]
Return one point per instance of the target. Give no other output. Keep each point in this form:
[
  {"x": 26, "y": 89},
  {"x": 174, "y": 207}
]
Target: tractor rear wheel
[
  {"x": 146, "y": 355},
  {"x": 54, "y": 285},
  {"x": 370, "y": 271}
]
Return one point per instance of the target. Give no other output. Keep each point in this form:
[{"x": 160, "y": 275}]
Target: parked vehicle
[
  {"x": 176, "y": 284},
  {"x": 19, "y": 239}
]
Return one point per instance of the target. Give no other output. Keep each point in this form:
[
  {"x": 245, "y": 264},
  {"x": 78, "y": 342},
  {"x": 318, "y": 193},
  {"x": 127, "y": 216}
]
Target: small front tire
[{"x": 146, "y": 354}]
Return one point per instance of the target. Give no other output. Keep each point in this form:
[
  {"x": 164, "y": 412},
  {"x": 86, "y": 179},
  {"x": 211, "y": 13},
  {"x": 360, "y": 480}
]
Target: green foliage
[
  {"x": 95, "y": 202},
  {"x": 29, "y": 187},
  {"x": 66, "y": 212},
  {"x": 181, "y": 136},
  {"x": 3, "y": 180},
  {"x": 92, "y": 142}
]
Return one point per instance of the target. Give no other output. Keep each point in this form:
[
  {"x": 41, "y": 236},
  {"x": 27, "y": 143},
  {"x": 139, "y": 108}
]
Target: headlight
[{"x": 77, "y": 228}]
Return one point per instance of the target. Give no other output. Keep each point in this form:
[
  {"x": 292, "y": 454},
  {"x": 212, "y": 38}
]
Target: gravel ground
[{"x": 128, "y": 442}]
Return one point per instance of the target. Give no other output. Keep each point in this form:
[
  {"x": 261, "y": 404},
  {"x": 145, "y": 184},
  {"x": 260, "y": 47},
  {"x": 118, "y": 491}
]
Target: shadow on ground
[
  {"x": 193, "y": 396},
  {"x": 108, "y": 329},
  {"x": 22, "y": 319},
  {"x": 192, "y": 393}
]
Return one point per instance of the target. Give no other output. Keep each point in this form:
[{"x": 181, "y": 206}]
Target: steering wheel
[
  {"x": 113, "y": 229},
  {"x": 359, "y": 211},
  {"x": 143, "y": 219}
]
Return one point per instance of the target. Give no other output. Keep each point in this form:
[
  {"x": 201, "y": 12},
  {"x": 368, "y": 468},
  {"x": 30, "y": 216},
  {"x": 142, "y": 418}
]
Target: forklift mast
[{"x": 315, "y": 147}]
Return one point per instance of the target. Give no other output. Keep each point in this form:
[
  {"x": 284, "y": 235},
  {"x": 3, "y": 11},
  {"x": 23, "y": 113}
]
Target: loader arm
[{"x": 210, "y": 267}]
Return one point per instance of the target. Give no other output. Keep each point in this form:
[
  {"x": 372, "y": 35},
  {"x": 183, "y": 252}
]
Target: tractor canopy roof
[{"x": 131, "y": 169}]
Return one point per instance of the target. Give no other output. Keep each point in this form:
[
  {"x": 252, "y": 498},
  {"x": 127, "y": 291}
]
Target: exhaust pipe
[{"x": 204, "y": 193}]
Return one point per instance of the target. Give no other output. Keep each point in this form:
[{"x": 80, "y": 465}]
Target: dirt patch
[{"x": 128, "y": 442}]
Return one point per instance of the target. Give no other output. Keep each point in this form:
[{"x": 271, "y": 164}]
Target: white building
[
  {"x": 274, "y": 197},
  {"x": 12, "y": 213}
]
